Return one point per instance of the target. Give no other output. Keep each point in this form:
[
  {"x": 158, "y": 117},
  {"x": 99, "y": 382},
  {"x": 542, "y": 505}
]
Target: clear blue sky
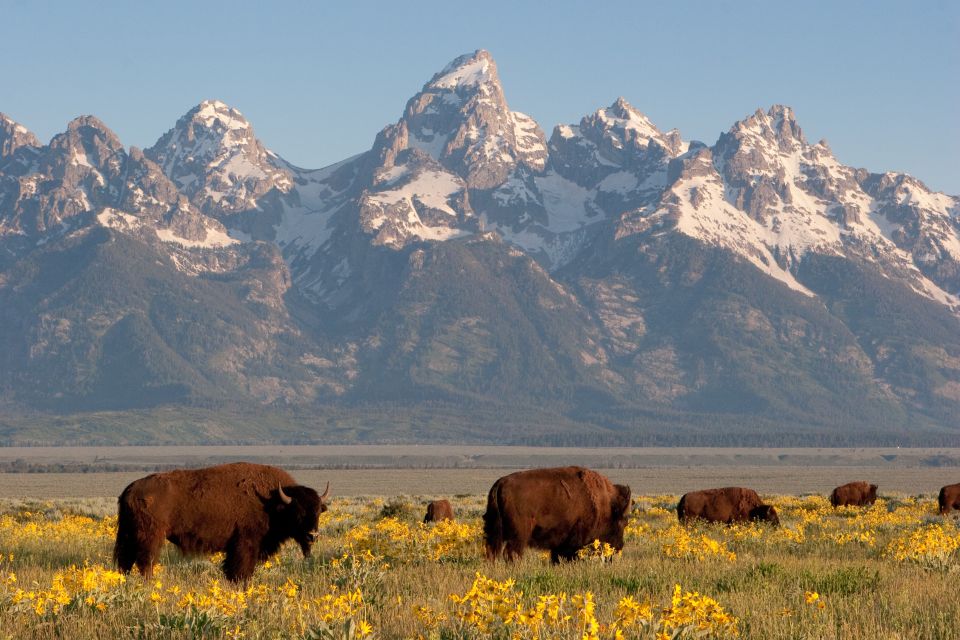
[{"x": 879, "y": 80}]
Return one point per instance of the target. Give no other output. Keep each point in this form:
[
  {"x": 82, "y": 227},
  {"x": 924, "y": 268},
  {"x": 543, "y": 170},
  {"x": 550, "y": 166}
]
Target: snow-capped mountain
[
  {"x": 212, "y": 156},
  {"x": 766, "y": 193},
  {"x": 616, "y": 278},
  {"x": 461, "y": 119},
  {"x": 457, "y": 134},
  {"x": 85, "y": 176}
]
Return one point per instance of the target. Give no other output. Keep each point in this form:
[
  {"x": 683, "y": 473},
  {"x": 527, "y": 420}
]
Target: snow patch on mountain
[
  {"x": 304, "y": 223},
  {"x": 700, "y": 211},
  {"x": 568, "y": 204},
  {"x": 432, "y": 188},
  {"x": 417, "y": 205},
  {"x": 465, "y": 71},
  {"x": 568, "y": 210},
  {"x": 212, "y": 111},
  {"x": 215, "y": 238},
  {"x": 120, "y": 220}
]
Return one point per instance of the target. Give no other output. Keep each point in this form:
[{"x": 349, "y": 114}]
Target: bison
[
  {"x": 727, "y": 505},
  {"x": 561, "y": 509},
  {"x": 949, "y": 498},
  {"x": 245, "y": 510},
  {"x": 855, "y": 494},
  {"x": 438, "y": 510}
]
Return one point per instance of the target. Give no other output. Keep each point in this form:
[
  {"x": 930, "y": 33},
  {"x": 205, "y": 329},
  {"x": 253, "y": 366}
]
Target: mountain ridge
[{"x": 612, "y": 270}]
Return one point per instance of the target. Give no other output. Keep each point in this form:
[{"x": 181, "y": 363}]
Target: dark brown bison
[
  {"x": 949, "y": 498},
  {"x": 438, "y": 510},
  {"x": 854, "y": 494},
  {"x": 246, "y": 510},
  {"x": 729, "y": 504},
  {"x": 561, "y": 509}
]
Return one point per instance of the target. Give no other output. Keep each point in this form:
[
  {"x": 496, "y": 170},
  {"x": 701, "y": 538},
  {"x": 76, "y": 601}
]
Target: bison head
[
  {"x": 295, "y": 513},
  {"x": 765, "y": 513},
  {"x": 619, "y": 513},
  {"x": 872, "y": 494}
]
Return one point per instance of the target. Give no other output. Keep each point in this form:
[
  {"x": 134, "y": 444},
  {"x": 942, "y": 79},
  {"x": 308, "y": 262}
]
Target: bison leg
[
  {"x": 148, "y": 549},
  {"x": 565, "y": 554},
  {"x": 513, "y": 549},
  {"x": 125, "y": 553},
  {"x": 558, "y": 555},
  {"x": 241, "y": 560},
  {"x": 493, "y": 550}
]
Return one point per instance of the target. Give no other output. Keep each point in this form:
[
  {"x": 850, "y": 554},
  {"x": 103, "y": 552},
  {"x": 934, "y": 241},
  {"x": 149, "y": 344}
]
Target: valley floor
[
  {"x": 354, "y": 470},
  {"x": 416, "y": 482}
]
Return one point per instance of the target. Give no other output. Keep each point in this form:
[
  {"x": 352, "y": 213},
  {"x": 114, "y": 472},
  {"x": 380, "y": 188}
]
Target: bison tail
[
  {"x": 493, "y": 523},
  {"x": 125, "y": 547}
]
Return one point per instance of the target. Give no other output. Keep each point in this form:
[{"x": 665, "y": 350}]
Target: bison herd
[{"x": 247, "y": 511}]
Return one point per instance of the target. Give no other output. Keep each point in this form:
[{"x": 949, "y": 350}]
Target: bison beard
[
  {"x": 729, "y": 504},
  {"x": 561, "y": 509},
  {"x": 245, "y": 510}
]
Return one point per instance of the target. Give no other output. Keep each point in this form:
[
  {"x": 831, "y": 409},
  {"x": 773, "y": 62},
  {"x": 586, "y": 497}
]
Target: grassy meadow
[{"x": 890, "y": 571}]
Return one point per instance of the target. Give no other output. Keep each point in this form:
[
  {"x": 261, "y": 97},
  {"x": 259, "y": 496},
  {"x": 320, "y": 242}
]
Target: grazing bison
[
  {"x": 729, "y": 504},
  {"x": 854, "y": 494},
  {"x": 561, "y": 509},
  {"x": 438, "y": 510},
  {"x": 949, "y": 498},
  {"x": 246, "y": 510}
]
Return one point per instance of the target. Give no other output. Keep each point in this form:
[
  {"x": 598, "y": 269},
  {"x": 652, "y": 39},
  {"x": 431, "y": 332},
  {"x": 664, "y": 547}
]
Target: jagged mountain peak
[
  {"x": 14, "y": 135},
  {"x": 88, "y": 121},
  {"x": 210, "y": 112},
  {"x": 11, "y": 128},
  {"x": 461, "y": 119},
  {"x": 207, "y": 128},
  {"x": 89, "y": 145},
  {"x": 621, "y": 114},
  {"x": 469, "y": 70},
  {"x": 778, "y": 125},
  {"x": 84, "y": 129},
  {"x": 214, "y": 157}
]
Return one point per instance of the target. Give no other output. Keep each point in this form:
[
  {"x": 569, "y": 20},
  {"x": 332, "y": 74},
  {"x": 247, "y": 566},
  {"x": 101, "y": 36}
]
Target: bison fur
[
  {"x": 727, "y": 505},
  {"x": 559, "y": 509},
  {"x": 438, "y": 510},
  {"x": 949, "y": 498},
  {"x": 244, "y": 510},
  {"x": 854, "y": 494}
]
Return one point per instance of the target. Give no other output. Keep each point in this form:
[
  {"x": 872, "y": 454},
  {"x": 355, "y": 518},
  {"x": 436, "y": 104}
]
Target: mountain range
[{"x": 469, "y": 278}]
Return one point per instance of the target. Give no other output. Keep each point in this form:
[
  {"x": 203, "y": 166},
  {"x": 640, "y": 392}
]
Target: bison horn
[
  {"x": 286, "y": 499},
  {"x": 326, "y": 493}
]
